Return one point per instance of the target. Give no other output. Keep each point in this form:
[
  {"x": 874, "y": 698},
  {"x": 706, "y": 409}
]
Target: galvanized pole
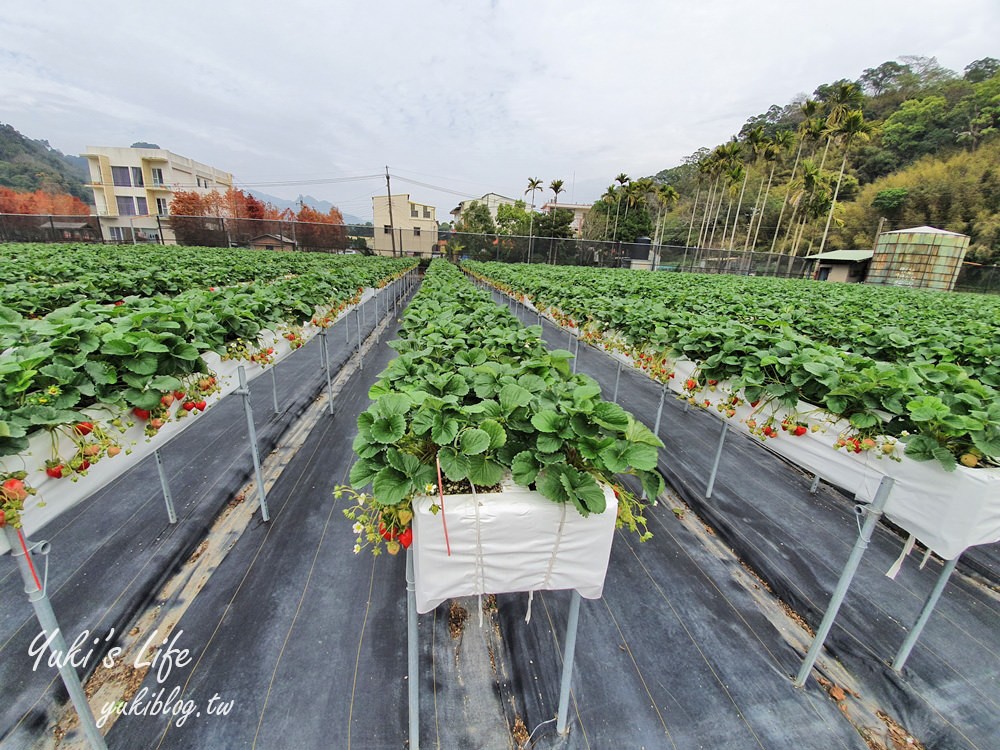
[
  {"x": 874, "y": 512},
  {"x": 167, "y": 497},
  {"x": 814, "y": 486},
  {"x": 618, "y": 376},
  {"x": 329, "y": 382},
  {"x": 911, "y": 640},
  {"x": 576, "y": 355},
  {"x": 244, "y": 391},
  {"x": 274, "y": 390},
  {"x": 37, "y": 592},
  {"x": 715, "y": 464},
  {"x": 357, "y": 317},
  {"x": 567, "y": 671},
  {"x": 412, "y": 652},
  {"x": 659, "y": 410}
]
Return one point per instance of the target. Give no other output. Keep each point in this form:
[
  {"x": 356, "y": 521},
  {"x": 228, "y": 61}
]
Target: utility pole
[{"x": 392, "y": 227}]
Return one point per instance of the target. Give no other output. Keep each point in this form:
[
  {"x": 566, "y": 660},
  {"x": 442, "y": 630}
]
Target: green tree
[
  {"x": 556, "y": 186},
  {"x": 534, "y": 185},
  {"x": 514, "y": 219},
  {"x": 622, "y": 179},
  {"x": 978, "y": 71},
  {"x": 890, "y": 201},
  {"x": 851, "y": 128},
  {"x": 476, "y": 224},
  {"x": 918, "y": 127},
  {"x": 883, "y": 79}
]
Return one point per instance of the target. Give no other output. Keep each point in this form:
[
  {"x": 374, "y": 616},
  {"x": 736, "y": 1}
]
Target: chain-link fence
[{"x": 579, "y": 252}]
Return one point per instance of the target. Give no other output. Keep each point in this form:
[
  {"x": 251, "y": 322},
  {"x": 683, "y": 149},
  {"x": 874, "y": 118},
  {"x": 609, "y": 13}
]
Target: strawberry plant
[{"x": 478, "y": 394}]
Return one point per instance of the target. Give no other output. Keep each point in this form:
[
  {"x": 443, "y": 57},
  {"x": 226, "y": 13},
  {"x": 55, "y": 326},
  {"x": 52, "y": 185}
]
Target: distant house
[
  {"x": 849, "y": 266},
  {"x": 580, "y": 211},
  {"x": 133, "y": 188},
  {"x": 272, "y": 242},
  {"x": 492, "y": 201},
  {"x": 404, "y": 227}
]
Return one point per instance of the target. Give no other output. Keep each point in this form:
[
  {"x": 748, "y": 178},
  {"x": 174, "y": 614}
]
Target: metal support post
[
  {"x": 911, "y": 640},
  {"x": 37, "y": 592},
  {"x": 814, "y": 486},
  {"x": 412, "y": 652},
  {"x": 715, "y": 464},
  {"x": 567, "y": 671},
  {"x": 659, "y": 409},
  {"x": 874, "y": 512},
  {"x": 618, "y": 376},
  {"x": 326, "y": 362},
  {"x": 167, "y": 497},
  {"x": 244, "y": 391},
  {"x": 274, "y": 390},
  {"x": 576, "y": 354}
]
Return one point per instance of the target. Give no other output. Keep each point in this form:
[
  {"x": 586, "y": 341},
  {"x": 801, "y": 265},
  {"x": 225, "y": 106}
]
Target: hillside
[
  {"x": 308, "y": 200},
  {"x": 907, "y": 143},
  {"x": 27, "y": 165}
]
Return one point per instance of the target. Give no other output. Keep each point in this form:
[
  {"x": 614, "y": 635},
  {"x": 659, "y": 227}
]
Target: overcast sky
[{"x": 469, "y": 96}]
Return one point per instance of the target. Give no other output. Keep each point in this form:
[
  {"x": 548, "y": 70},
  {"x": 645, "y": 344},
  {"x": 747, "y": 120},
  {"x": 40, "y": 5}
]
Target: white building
[
  {"x": 580, "y": 211},
  {"x": 133, "y": 188},
  {"x": 492, "y": 201}
]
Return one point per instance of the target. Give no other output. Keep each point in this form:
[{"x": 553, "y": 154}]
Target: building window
[
  {"x": 416, "y": 231},
  {"x": 121, "y": 177},
  {"x": 137, "y": 177},
  {"x": 427, "y": 212},
  {"x": 142, "y": 206},
  {"x": 413, "y": 211},
  {"x": 161, "y": 206},
  {"x": 157, "y": 176},
  {"x": 126, "y": 205},
  {"x": 387, "y": 229},
  {"x": 118, "y": 234}
]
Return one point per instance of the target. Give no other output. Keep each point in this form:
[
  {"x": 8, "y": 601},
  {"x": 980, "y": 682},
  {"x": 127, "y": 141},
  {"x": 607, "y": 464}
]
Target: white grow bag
[
  {"x": 946, "y": 511},
  {"x": 507, "y": 541}
]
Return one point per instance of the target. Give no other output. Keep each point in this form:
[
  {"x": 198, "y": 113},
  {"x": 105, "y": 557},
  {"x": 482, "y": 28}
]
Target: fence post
[
  {"x": 167, "y": 497},
  {"x": 567, "y": 671},
  {"x": 244, "y": 391}
]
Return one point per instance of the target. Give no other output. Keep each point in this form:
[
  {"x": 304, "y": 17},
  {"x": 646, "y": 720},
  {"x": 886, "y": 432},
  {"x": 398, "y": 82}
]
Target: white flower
[
  {"x": 357, "y": 549},
  {"x": 358, "y": 527}
]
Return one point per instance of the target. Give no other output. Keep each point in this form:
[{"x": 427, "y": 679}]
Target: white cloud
[{"x": 482, "y": 95}]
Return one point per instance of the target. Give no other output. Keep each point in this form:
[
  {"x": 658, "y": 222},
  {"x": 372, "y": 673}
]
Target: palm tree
[
  {"x": 809, "y": 108},
  {"x": 755, "y": 140},
  {"x": 534, "y": 185},
  {"x": 769, "y": 153},
  {"x": 852, "y": 127},
  {"x": 780, "y": 143},
  {"x": 622, "y": 179},
  {"x": 665, "y": 196},
  {"x": 556, "y": 186},
  {"x": 725, "y": 157},
  {"x": 609, "y": 197}
]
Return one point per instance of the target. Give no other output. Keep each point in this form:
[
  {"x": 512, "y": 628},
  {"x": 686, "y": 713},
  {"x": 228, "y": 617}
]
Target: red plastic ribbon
[
  {"x": 444, "y": 521},
  {"x": 27, "y": 556}
]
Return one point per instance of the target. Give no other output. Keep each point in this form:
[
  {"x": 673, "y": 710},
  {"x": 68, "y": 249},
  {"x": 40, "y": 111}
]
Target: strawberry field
[
  {"x": 105, "y": 345},
  {"x": 895, "y": 366}
]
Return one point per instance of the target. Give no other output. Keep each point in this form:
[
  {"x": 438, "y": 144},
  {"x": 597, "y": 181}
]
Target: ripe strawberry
[
  {"x": 205, "y": 383},
  {"x": 201, "y": 405},
  {"x": 178, "y": 395},
  {"x": 187, "y": 405},
  {"x": 713, "y": 382},
  {"x": 406, "y": 537},
  {"x": 800, "y": 430},
  {"x": 387, "y": 534},
  {"x": 119, "y": 303},
  {"x": 141, "y": 413},
  {"x": 84, "y": 428},
  {"x": 13, "y": 489},
  {"x": 691, "y": 384},
  {"x": 3, "y": 518},
  {"x": 56, "y": 472},
  {"x": 754, "y": 403}
]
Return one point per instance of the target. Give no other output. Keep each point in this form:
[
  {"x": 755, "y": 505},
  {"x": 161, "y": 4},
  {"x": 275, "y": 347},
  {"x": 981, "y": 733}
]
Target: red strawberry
[
  {"x": 387, "y": 534},
  {"x": 201, "y": 405},
  {"x": 56, "y": 472},
  {"x": 141, "y": 413},
  {"x": 13, "y": 489},
  {"x": 800, "y": 430},
  {"x": 691, "y": 384},
  {"x": 187, "y": 405},
  {"x": 178, "y": 395},
  {"x": 406, "y": 538},
  {"x": 3, "y": 518},
  {"x": 84, "y": 428},
  {"x": 119, "y": 303}
]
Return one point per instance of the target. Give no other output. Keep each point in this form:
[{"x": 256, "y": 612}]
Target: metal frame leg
[
  {"x": 715, "y": 464},
  {"x": 326, "y": 363},
  {"x": 874, "y": 512},
  {"x": 274, "y": 385},
  {"x": 244, "y": 391},
  {"x": 911, "y": 640},
  {"x": 167, "y": 497},
  {"x": 412, "y": 652},
  {"x": 39, "y": 598},
  {"x": 618, "y": 376},
  {"x": 659, "y": 410},
  {"x": 357, "y": 317},
  {"x": 567, "y": 671},
  {"x": 814, "y": 486}
]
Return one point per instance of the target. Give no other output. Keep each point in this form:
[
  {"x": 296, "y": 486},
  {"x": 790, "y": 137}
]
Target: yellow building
[
  {"x": 412, "y": 230},
  {"x": 134, "y": 186}
]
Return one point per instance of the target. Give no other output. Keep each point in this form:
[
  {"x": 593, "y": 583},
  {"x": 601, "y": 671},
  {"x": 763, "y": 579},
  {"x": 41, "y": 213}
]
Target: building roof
[
  {"x": 846, "y": 255},
  {"x": 924, "y": 230},
  {"x": 278, "y": 237}
]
